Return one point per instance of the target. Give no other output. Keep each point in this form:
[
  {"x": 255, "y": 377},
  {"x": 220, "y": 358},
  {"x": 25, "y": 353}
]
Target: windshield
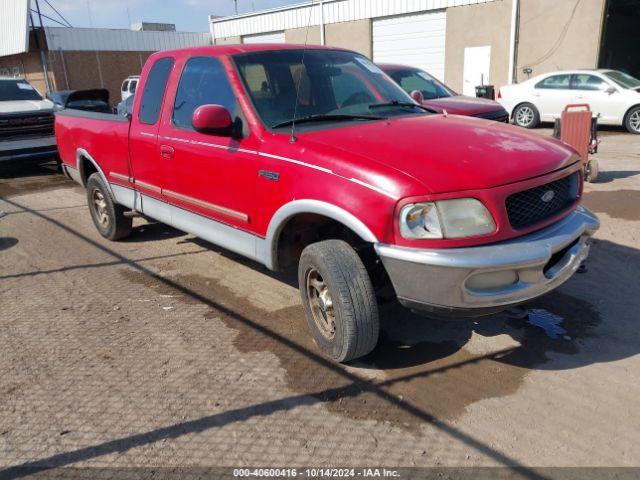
[
  {"x": 332, "y": 83},
  {"x": 622, "y": 79},
  {"x": 412, "y": 79},
  {"x": 17, "y": 90}
]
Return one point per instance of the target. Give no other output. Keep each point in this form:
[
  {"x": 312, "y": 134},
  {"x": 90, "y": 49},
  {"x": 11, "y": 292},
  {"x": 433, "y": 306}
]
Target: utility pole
[
  {"x": 40, "y": 47},
  {"x": 236, "y": 5}
]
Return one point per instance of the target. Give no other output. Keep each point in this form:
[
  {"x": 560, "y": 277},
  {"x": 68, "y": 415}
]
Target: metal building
[{"x": 464, "y": 42}]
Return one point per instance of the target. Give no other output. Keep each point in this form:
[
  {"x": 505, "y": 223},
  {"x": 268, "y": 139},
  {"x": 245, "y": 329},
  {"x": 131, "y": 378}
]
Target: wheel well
[
  {"x": 626, "y": 114},
  {"x": 87, "y": 168},
  {"x": 513, "y": 111},
  {"x": 306, "y": 228},
  {"x": 303, "y": 229}
]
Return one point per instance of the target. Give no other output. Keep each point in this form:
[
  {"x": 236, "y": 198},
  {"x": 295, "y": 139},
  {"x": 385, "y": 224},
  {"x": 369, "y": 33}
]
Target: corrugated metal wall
[
  {"x": 103, "y": 39},
  {"x": 297, "y": 16},
  {"x": 14, "y": 27}
]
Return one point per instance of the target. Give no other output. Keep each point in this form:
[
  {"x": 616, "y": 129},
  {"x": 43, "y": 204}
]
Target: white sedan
[{"x": 612, "y": 95}]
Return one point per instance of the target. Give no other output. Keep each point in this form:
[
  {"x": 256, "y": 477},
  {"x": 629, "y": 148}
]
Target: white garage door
[
  {"x": 414, "y": 40},
  {"x": 273, "y": 37}
]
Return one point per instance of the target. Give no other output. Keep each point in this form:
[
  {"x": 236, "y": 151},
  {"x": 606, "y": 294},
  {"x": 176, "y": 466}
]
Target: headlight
[
  {"x": 420, "y": 221},
  {"x": 457, "y": 218}
]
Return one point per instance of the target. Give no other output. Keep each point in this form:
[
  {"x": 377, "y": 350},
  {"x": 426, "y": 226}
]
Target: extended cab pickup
[{"x": 460, "y": 216}]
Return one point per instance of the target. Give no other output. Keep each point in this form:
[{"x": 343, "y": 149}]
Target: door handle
[{"x": 166, "y": 151}]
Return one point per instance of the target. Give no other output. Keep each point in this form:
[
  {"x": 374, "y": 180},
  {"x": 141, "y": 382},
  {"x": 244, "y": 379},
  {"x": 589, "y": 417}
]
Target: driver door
[{"x": 207, "y": 174}]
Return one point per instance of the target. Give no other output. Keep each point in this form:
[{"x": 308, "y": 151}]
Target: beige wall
[
  {"x": 354, "y": 35},
  {"x": 298, "y": 35},
  {"x": 228, "y": 40},
  {"x": 476, "y": 26},
  {"x": 545, "y": 45}
]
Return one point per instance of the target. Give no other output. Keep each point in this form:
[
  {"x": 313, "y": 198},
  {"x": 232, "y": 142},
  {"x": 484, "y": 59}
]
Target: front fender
[{"x": 268, "y": 249}]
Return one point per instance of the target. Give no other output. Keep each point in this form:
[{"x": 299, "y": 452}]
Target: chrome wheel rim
[
  {"x": 321, "y": 304},
  {"x": 100, "y": 206},
  {"x": 634, "y": 121},
  {"x": 524, "y": 116}
]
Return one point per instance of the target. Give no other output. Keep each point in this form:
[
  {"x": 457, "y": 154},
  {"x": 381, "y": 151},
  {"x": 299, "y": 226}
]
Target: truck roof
[{"x": 244, "y": 48}]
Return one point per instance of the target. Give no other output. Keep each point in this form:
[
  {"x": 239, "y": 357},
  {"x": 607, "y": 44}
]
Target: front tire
[
  {"x": 526, "y": 115},
  {"x": 338, "y": 299},
  {"x": 632, "y": 120},
  {"x": 107, "y": 216}
]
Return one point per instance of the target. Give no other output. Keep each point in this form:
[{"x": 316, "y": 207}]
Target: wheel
[
  {"x": 632, "y": 121},
  {"x": 108, "y": 217},
  {"x": 591, "y": 171},
  {"x": 338, "y": 299},
  {"x": 526, "y": 116}
]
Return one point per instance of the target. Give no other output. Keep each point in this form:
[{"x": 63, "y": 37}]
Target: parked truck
[
  {"x": 26, "y": 122},
  {"x": 365, "y": 191}
]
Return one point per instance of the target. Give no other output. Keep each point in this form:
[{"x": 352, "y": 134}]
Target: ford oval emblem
[{"x": 548, "y": 196}]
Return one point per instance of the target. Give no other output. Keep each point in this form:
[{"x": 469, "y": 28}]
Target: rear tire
[
  {"x": 338, "y": 299},
  {"x": 632, "y": 120},
  {"x": 526, "y": 115},
  {"x": 107, "y": 216}
]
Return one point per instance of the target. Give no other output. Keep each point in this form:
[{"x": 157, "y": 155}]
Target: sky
[{"x": 188, "y": 15}]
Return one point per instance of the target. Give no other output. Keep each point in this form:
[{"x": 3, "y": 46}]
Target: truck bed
[{"x": 100, "y": 134}]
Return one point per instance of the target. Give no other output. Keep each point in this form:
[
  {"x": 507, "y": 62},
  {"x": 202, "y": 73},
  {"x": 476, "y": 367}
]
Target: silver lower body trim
[
  {"x": 233, "y": 239},
  {"x": 469, "y": 279}
]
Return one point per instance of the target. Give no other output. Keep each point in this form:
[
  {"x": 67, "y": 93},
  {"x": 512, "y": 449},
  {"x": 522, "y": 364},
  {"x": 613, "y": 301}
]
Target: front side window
[
  {"x": 125, "y": 85},
  {"x": 132, "y": 87},
  {"x": 17, "y": 90},
  {"x": 430, "y": 88},
  {"x": 203, "y": 82},
  {"x": 328, "y": 84},
  {"x": 555, "y": 82},
  {"x": 153, "y": 92},
  {"x": 588, "y": 82}
]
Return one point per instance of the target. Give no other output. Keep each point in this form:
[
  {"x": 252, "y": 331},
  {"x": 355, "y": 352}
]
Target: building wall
[
  {"x": 298, "y": 35},
  {"x": 556, "y": 35},
  {"x": 29, "y": 67},
  {"x": 355, "y": 35},
  {"x": 84, "y": 69},
  {"x": 228, "y": 40},
  {"x": 476, "y": 26}
]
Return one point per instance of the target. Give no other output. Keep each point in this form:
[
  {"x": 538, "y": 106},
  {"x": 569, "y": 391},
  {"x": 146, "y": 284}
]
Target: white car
[{"x": 612, "y": 95}]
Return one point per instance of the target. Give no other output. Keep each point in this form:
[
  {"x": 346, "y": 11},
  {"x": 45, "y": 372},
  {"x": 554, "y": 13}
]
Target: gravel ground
[{"x": 165, "y": 351}]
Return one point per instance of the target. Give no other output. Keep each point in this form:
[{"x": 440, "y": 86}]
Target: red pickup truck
[{"x": 461, "y": 216}]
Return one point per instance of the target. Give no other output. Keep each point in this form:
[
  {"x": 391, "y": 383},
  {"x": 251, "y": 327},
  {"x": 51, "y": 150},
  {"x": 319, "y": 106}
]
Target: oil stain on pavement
[
  {"x": 621, "y": 204},
  {"x": 440, "y": 378}
]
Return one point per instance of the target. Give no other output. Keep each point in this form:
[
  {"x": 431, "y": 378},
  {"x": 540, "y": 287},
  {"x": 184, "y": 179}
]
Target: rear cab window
[{"x": 154, "y": 90}]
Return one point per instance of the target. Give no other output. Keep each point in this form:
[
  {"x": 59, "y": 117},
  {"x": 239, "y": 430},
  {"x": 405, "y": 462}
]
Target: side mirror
[
  {"x": 611, "y": 90},
  {"x": 214, "y": 119},
  {"x": 417, "y": 96}
]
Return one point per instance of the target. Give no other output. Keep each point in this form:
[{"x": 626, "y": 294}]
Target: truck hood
[
  {"x": 462, "y": 105},
  {"x": 445, "y": 154},
  {"x": 25, "y": 106}
]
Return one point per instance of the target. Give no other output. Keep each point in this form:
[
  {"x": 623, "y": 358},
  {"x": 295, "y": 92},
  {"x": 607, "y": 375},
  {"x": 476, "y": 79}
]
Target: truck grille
[
  {"x": 14, "y": 127},
  {"x": 535, "y": 205}
]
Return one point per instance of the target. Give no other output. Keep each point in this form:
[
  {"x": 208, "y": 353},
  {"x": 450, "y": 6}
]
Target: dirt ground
[{"x": 165, "y": 351}]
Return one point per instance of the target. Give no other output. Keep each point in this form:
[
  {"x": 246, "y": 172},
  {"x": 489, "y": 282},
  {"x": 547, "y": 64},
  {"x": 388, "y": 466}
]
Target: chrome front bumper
[{"x": 478, "y": 280}]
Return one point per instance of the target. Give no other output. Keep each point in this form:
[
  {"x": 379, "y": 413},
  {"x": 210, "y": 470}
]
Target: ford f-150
[{"x": 364, "y": 191}]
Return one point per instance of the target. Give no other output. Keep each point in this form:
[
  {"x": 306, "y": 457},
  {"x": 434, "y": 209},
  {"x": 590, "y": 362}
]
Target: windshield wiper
[
  {"x": 396, "y": 103},
  {"x": 336, "y": 117}
]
